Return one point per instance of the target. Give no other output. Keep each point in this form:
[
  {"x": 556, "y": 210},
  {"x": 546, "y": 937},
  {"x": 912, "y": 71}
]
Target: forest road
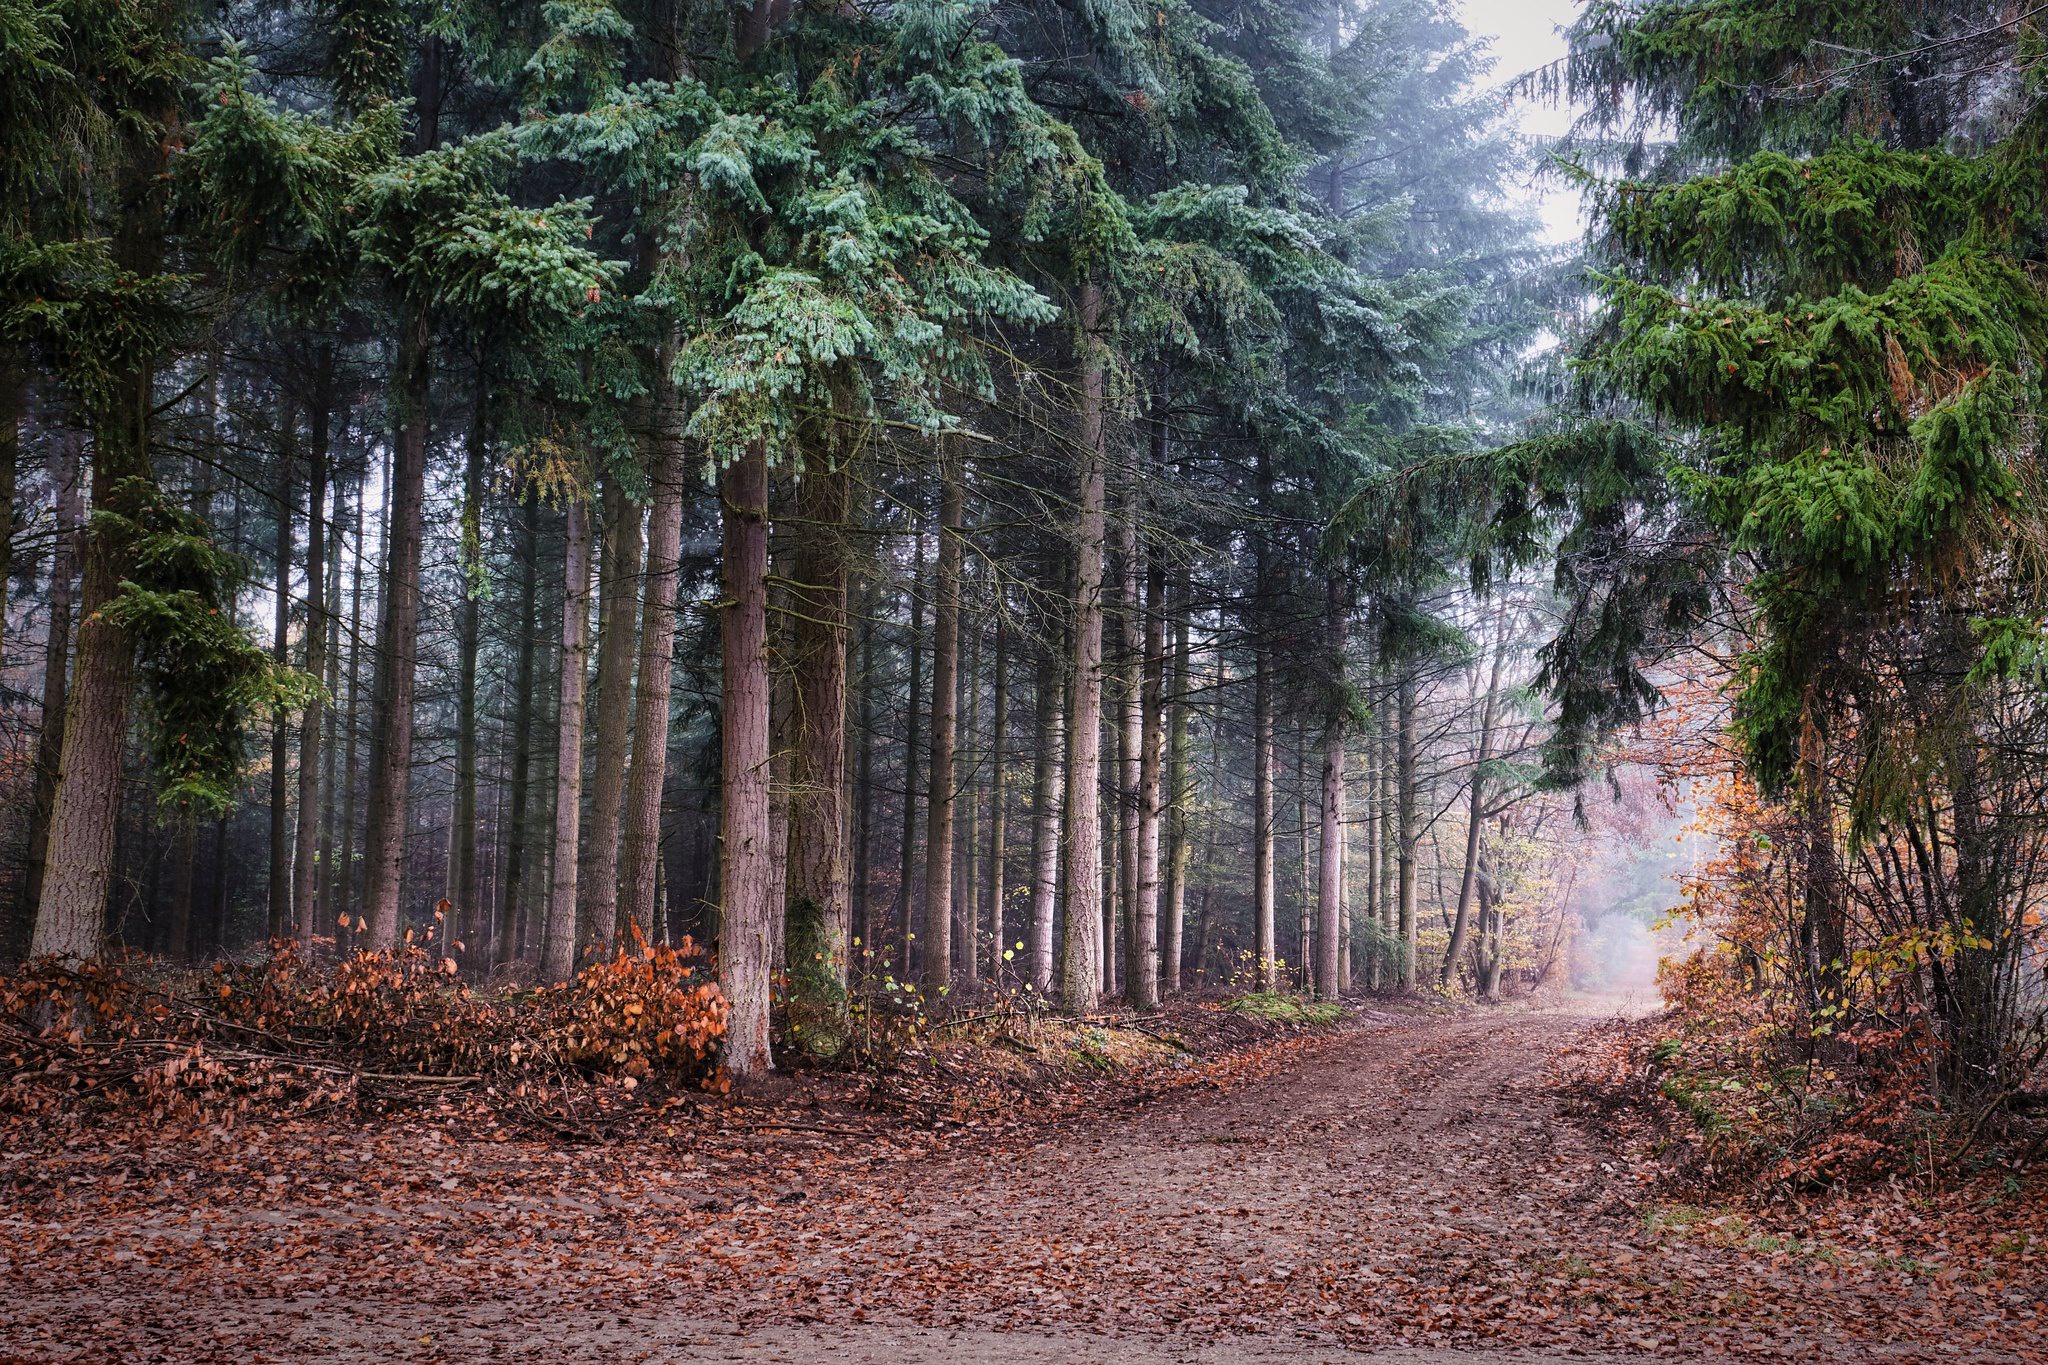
[{"x": 1407, "y": 1191}]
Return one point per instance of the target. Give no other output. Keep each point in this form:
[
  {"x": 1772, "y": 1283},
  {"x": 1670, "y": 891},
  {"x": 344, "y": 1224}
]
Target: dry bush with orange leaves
[{"x": 287, "y": 1035}]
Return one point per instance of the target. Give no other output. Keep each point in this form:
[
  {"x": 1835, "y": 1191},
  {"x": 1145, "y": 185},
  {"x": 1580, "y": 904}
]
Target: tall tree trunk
[
  {"x": 66, "y": 474},
  {"x": 1265, "y": 945},
  {"x": 1330, "y": 866},
  {"x": 78, "y": 866},
  {"x": 558, "y": 942},
  {"x": 967, "y": 833},
  {"x": 467, "y": 917},
  {"x": 1405, "y": 820},
  {"x": 1081, "y": 969},
  {"x": 1143, "y": 971},
  {"x": 943, "y": 781},
  {"x": 640, "y": 862},
  {"x": 1475, "y": 818},
  {"x": 998, "y": 814},
  {"x": 306, "y": 856},
  {"x": 1045, "y": 816},
  {"x": 1372, "y": 848},
  {"x": 745, "y": 931},
  {"x": 350, "y": 770},
  {"x": 330, "y": 743},
  {"x": 391, "y": 710},
  {"x": 1130, "y": 735},
  {"x": 816, "y": 908},
  {"x": 906, "y": 897},
  {"x": 618, "y": 590},
  {"x": 862, "y": 929},
  {"x": 1205, "y": 928},
  {"x": 512, "y": 888},
  {"x": 13, "y": 408},
  {"x": 279, "y": 887},
  {"x": 1175, "y": 893},
  {"x": 1304, "y": 899},
  {"x": 181, "y": 944}
]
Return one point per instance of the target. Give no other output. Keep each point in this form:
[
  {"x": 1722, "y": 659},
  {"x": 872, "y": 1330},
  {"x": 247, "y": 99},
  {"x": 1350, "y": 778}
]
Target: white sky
[{"x": 1527, "y": 34}]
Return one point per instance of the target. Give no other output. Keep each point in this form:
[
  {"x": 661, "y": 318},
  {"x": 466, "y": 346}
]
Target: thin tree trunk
[
  {"x": 1130, "y": 736},
  {"x": 1304, "y": 896},
  {"x": 279, "y": 888},
  {"x": 1330, "y": 867},
  {"x": 640, "y": 861},
  {"x": 967, "y": 834},
  {"x": 512, "y": 888},
  {"x": 1045, "y": 817},
  {"x": 346, "y": 873},
  {"x": 745, "y": 931},
  {"x": 618, "y": 589},
  {"x": 862, "y": 929},
  {"x": 1372, "y": 849},
  {"x": 1081, "y": 969},
  {"x": 998, "y": 851},
  {"x": 1265, "y": 945},
  {"x": 1175, "y": 894},
  {"x": 1143, "y": 971},
  {"x": 943, "y": 782},
  {"x": 466, "y": 915},
  {"x": 13, "y": 408},
  {"x": 1406, "y": 831},
  {"x": 906, "y": 898},
  {"x": 330, "y": 742},
  {"x": 1475, "y": 817},
  {"x": 558, "y": 934},
  {"x": 181, "y": 945},
  {"x": 306, "y": 859}
]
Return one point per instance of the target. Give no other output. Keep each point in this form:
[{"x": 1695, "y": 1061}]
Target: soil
[{"x": 1410, "y": 1188}]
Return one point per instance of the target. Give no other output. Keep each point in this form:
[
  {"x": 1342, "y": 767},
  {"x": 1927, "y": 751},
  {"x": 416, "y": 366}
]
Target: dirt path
[{"x": 1405, "y": 1192}]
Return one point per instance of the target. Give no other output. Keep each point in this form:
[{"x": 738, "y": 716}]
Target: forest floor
[{"x": 1417, "y": 1185}]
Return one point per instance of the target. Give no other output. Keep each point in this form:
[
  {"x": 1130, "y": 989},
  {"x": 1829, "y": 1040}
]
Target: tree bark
[
  {"x": 78, "y": 866},
  {"x": 465, "y": 915},
  {"x": 1265, "y": 945},
  {"x": 13, "y": 408},
  {"x": 558, "y": 941},
  {"x": 1143, "y": 971},
  {"x": 998, "y": 813},
  {"x": 745, "y": 931},
  {"x": 816, "y": 908},
  {"x": 512, "y": 890},
  {"x": 640, "y": 862},
  {"x": 906, "y": 896},
  {"x": 66, "y": 474},
  {"x": 618, "y": 590},
  {"x": 278, "y": 890},
  {"x": 1081, "y": 969},
  {"x": 306, "y": 855},
  {"x": 862, "y": 928},
  {"x": 1475, "y": 819},
  {"x": 942, "y": 782},
  {"x": 1175, "y": 893},
  {"x": 391, "y": 712},
  {"x": 1330, "y": 864},
  {"x": 1405, "y": 836},
  {"x": 1045, "y": 817}
]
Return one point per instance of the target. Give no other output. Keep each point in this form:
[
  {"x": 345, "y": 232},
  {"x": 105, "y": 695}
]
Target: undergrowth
[
  {"x": 286, "y": 1035},
  {"x": 1285, "y": 1008}
]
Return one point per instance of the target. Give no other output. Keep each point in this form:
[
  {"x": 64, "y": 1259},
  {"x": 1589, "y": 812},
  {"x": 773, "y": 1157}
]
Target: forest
[{"x": 1023, "y": 679}]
